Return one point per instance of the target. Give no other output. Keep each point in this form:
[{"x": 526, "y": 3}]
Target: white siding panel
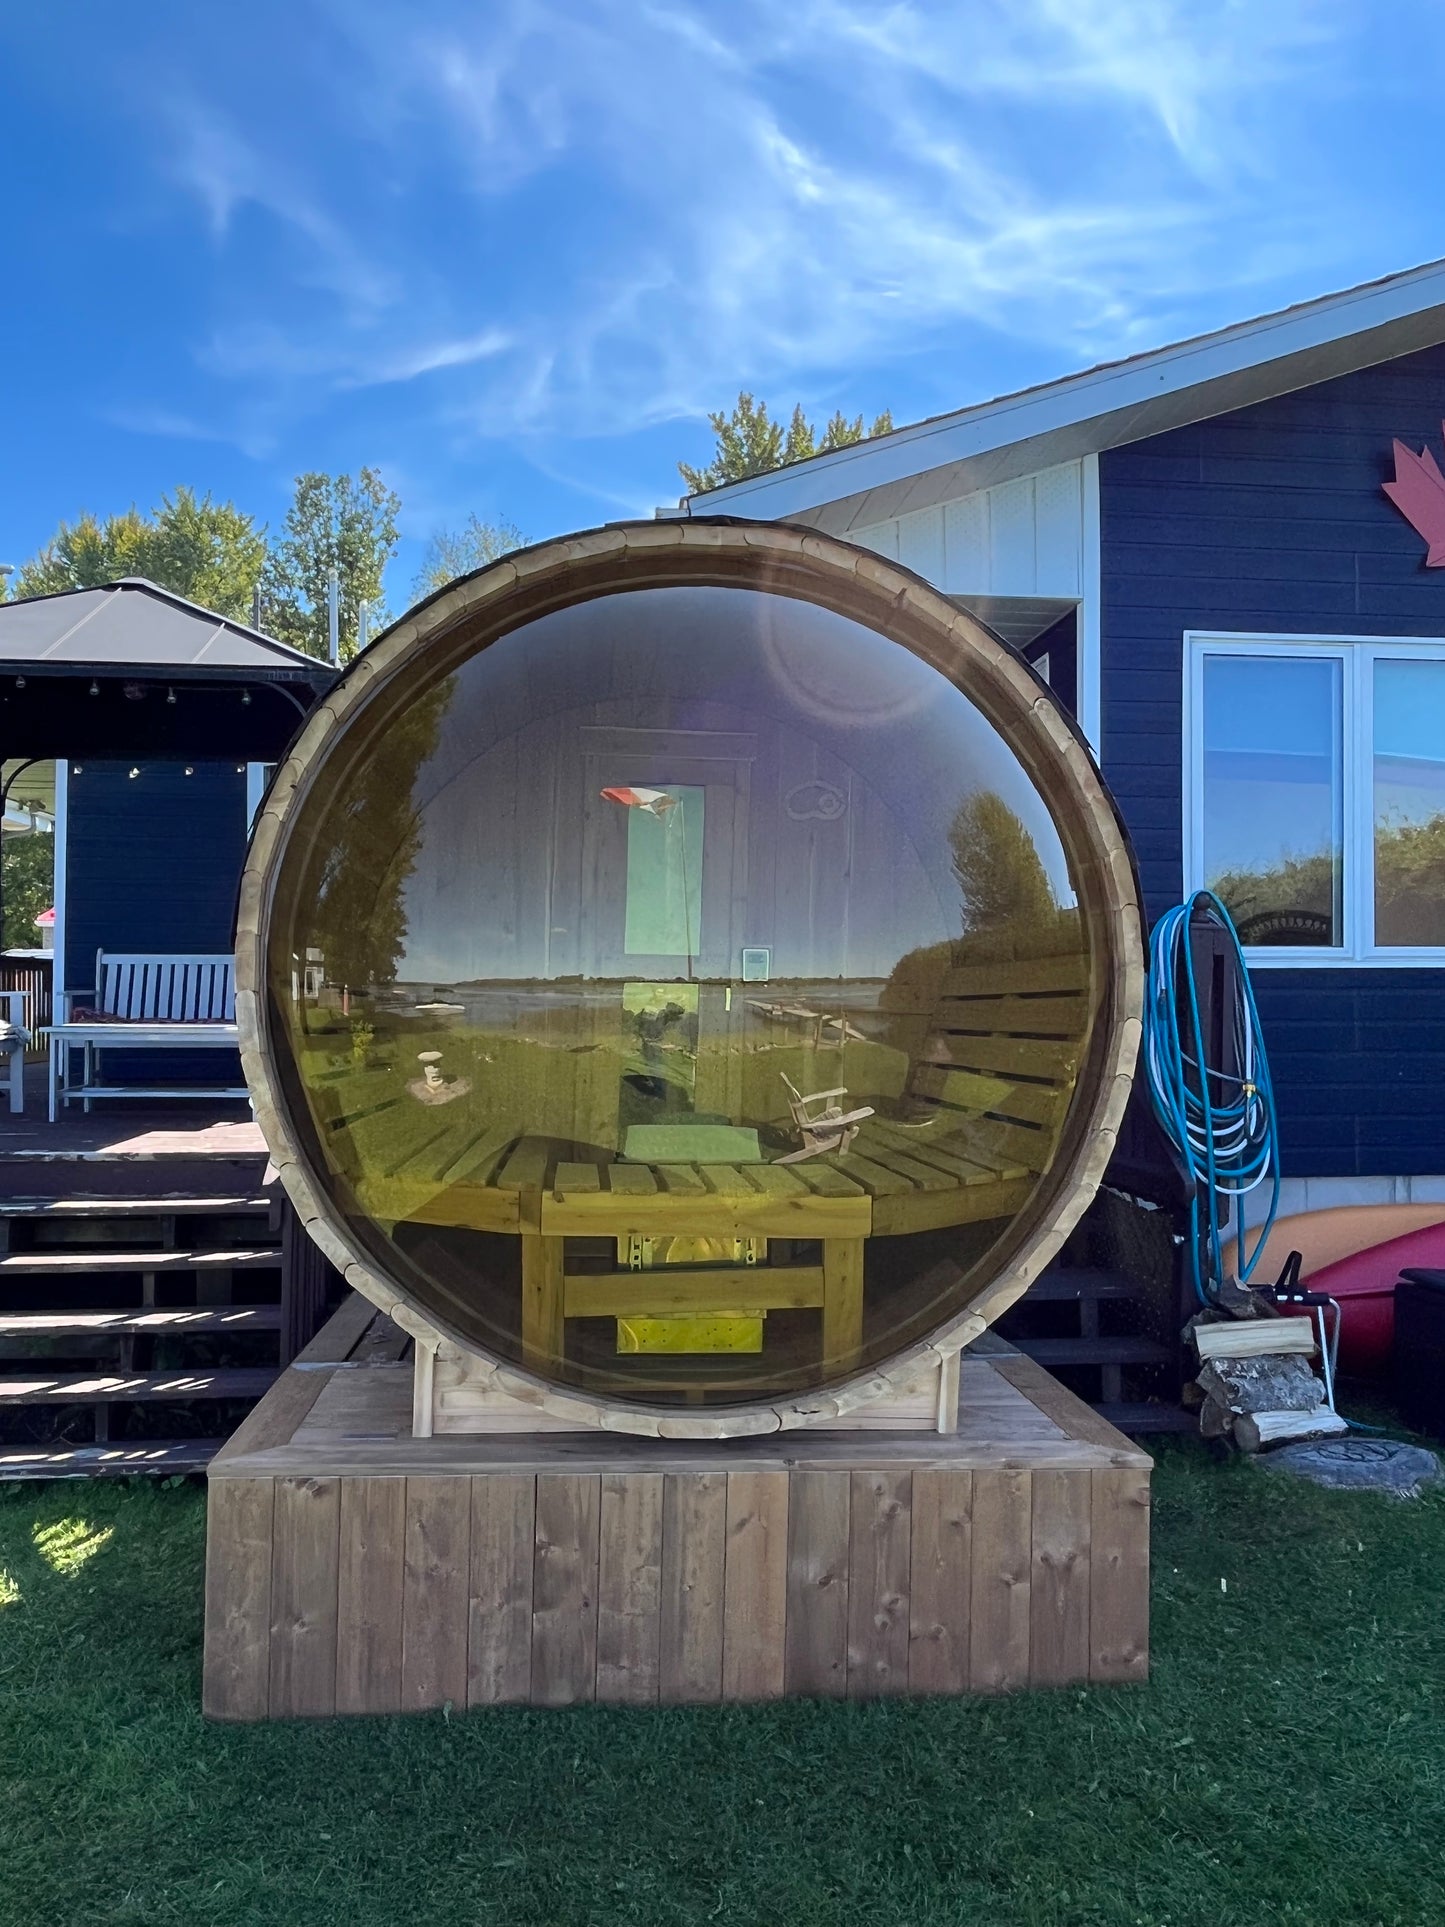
[
  {"x": 966, "y": 545},
  {"x": 1058, "y": 525},
  {"x": 920, "y": 544},
  {"x": 882, "y": 538},
  {"x": 1011, "y": 518},
  {"x": 1021, "y": 538}
]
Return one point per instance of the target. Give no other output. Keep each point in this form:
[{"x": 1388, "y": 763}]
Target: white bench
[
  {"x": 145, "y": 1002},
  {"x": 13, "y": 1039}
]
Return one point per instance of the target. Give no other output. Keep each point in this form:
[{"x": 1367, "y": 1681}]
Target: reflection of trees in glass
[
  {"x": 1410, "y": 882},
  {"x": 366, "y": 847},
  {"x": 999, "y": 872},
  {"x": 1293, "y": 901},
  {"x": 1008, "y": 911}
]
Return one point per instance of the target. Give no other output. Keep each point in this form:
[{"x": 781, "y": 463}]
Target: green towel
[{"x": 690, "y": 1144}]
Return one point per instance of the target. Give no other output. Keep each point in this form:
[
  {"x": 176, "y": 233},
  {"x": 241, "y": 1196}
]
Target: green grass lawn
[{"x": 1287, "y": 1764}]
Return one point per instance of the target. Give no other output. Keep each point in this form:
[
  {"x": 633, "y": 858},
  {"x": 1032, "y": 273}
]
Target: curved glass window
[{"x": 666, "y": 991}]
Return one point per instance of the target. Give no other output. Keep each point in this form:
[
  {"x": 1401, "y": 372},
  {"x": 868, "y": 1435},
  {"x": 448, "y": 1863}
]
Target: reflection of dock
[{"x": 826, "y": 1029}]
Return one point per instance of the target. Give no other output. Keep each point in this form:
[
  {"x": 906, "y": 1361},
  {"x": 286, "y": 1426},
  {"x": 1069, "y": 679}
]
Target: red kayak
[{"x": 1364, "y": 1285}]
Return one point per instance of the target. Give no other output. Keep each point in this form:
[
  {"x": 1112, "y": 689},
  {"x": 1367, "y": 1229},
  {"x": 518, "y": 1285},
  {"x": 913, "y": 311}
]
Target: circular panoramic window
[{"x": 692, "y": 964}]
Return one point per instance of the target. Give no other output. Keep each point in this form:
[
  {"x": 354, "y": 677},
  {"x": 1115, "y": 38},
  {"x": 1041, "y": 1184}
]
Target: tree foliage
[
  {"x": 27, "y": 886},
  {"x": 333, "y": 522},
  {"x": 208, "y": 551},
  {"x": 750, "y": 442},
  {"x": 1293, "y": 901},
  {"x": 1003, "y": 882},
  {"x": 456, "y": 552}
]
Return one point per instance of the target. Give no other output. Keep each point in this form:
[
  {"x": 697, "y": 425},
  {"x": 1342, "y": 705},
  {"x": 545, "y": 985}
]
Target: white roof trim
[{"x": 1117, "y": 402}]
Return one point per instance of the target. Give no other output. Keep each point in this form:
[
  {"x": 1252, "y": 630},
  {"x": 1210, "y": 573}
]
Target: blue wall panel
[
  {"x": 1273, "y": 519},
  {"x": 153, "y": 863}
]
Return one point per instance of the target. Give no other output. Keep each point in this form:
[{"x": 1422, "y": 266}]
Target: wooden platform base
[{"x": 353, "y": 1568}]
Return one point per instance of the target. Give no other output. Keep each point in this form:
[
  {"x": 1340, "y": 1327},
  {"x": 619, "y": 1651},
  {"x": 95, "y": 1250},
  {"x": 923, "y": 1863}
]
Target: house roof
[
  {"x": 1103, "y": 407},
  {"x": 136, "y": 625}
]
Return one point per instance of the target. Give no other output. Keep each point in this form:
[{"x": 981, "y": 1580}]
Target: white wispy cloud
[{"x": 649, "y": 206}]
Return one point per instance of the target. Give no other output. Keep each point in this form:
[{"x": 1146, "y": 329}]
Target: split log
[
  {"x": 1251, "y": 1337},
  {"x": 1256, "y": 1430},
  {"x": 1267, "y": 1384}
]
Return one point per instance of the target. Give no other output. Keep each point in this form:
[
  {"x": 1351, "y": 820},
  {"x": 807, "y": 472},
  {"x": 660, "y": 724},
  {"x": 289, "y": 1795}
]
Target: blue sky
[{"x": 512, "y": 252}]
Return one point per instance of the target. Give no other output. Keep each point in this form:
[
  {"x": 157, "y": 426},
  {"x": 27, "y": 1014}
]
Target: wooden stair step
[
  {"x": 116, "y": 1459},
  {"x": 159, "y": 1321},
  {"x": 85, "y": 1388},
  {"x": 228, "y": 1204},
  {"x": 1066, "y": 1286},
  {"x": 77, "y": 1259},
  {"x": 1124, "y": 1350},
  {"x": 1143, "y": 1415}
]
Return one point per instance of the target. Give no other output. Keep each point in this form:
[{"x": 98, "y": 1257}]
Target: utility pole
[{"x": 333, "y": 614}]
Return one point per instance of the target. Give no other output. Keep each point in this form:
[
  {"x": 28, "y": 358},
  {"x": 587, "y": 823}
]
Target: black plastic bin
[{"x": 1420, "y": 1350}]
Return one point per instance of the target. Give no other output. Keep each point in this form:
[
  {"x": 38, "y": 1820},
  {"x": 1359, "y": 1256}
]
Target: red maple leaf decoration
[{"x": 1418, "y": 492}]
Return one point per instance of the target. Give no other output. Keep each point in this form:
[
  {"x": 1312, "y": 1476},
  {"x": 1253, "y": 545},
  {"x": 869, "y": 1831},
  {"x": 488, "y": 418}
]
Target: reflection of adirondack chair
[{"x": 831, "y": 1129}]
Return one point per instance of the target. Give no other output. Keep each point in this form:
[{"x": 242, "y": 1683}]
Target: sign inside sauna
[{"x": 502, "y": 927}]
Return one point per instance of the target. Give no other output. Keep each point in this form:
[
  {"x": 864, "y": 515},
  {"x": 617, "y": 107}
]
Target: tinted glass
[
  {"x": 683, "y": 995},
  {"x": 1409, "y": 771},
  {"x": 1273, "y": 798}
]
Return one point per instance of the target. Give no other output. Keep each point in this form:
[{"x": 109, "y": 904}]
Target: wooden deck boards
[{"x": 353, "y": 1568}]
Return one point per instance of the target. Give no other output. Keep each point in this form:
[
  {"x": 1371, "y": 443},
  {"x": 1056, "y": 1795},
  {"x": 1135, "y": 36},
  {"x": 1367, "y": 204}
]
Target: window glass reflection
[
  {"x": 1409, "y": 784},
  {"x": 508, "y": 965},
  {"x": 1273, "y": 796}
]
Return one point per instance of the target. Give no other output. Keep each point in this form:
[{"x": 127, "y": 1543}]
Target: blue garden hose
[{"x": 1221, "y": 1125}]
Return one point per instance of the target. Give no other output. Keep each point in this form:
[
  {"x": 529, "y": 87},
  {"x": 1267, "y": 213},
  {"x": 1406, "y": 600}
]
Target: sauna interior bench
[{"x": 353, "y": 1568}]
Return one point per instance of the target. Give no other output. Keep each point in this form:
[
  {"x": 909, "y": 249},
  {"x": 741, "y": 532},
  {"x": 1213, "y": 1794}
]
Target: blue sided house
[
  {"x": 159, "y": 719},
  {"x": 1227, "y": 557}
]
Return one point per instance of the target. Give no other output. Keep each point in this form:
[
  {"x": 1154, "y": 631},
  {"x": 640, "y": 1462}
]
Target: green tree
[
  {"x": 27, "y": 886},
  {"x": 456, "y": 552},
  {"x": 750, "y": 442},
  {"x": 1004, "y": 884},
  {"x": 333, "y": 522},
  {"x": 208, "y": 551}
]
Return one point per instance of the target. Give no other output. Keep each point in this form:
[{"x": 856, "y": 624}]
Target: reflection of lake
[{"x": 507, "y": 1006}]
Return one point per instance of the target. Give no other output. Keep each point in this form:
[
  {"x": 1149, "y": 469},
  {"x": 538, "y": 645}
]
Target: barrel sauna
[
  {"x": 690, "y": 979},
  {"x": 694, "y": 969}
]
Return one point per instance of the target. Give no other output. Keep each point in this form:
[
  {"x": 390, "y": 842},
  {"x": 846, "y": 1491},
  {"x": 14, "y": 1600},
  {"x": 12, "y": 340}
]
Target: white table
[{"x": 133, "y": 1034}]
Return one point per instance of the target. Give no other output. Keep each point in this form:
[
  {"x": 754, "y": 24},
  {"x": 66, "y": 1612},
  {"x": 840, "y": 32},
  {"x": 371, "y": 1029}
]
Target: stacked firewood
[{"x": 1257, "y": 1384}]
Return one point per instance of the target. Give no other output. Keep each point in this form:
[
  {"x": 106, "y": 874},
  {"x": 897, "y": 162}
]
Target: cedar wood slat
[
  {"x": 499, "y": 1607},
  {"x": 755, "y": 1586},
  {"x": 564, "y": 1589},
  {"x": 237, "y": 1677},
  {"x": 694, "y": 1535},
  {"x": 436, "y": 1593},
  {"x": 369, "y": 1595},
  {"x": 1000, "y": 1581},
  {"x": 878, "y": 1580},
  {"x": 629, "y": 1586},
  {"x": 305, "y": 1545},
  {"x": 816, "y": 1640},
  {"x": 938, "y": 1651},
  {"x": 1059, "y": 1590},
  {"x": 1119, "y": 1576}
]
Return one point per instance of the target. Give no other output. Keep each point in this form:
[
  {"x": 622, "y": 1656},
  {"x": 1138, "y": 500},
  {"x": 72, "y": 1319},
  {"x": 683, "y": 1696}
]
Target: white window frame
[{"x": 1357, "y": 655}]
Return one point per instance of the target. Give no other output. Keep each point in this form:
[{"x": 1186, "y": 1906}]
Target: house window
[{"x": 1315, "y": 795}]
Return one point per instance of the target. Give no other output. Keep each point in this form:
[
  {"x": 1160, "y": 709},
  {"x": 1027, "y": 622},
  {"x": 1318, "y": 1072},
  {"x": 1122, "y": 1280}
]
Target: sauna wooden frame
[{"x": 468, "y": 616}]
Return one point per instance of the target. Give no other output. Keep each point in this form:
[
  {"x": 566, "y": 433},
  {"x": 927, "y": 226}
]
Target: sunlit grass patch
[
  {"x": 68, "y": 1544},
  {"x": 9, "y": 1591}
]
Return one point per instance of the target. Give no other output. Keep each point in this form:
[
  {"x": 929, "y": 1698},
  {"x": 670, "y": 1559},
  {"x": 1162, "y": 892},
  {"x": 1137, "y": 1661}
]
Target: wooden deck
[
  {"x": 124, "y": 1128},
  {"x": 352, "y": 1568}
]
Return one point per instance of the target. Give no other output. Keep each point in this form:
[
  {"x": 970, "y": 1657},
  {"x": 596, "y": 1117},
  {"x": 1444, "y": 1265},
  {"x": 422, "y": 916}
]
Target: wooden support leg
[
  {"x": 541, "y": 1300},
  {"x": 842, "y": 1303}
]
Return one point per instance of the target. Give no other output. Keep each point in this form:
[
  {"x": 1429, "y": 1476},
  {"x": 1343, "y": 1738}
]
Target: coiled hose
[{"x": 1222, "y": 1124}]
